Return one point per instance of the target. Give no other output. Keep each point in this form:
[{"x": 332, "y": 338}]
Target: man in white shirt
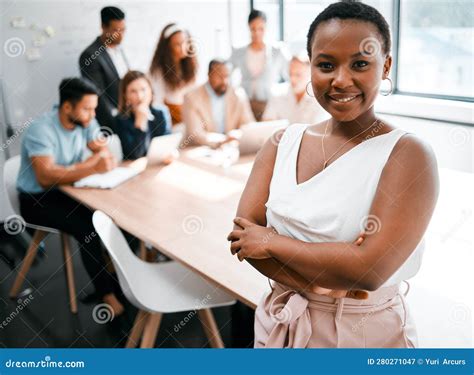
[
  {"x": 104, "y": 63},
  {"x": 214, "y": 109},
  {"x": 291, "y": 101}
]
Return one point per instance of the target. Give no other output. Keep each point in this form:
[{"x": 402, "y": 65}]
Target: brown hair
[
  {"x": 131, "y": 76},
  {"x": 173, "y": 75}
]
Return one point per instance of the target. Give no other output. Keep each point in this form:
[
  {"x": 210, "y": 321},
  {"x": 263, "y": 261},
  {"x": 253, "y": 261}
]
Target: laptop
[
  {"x": 162, "y": 147},
  {"x": 255, "y": 134}
]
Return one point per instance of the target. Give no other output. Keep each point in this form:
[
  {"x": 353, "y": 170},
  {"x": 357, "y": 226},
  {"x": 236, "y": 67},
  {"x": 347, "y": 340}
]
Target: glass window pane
[
  {"x": 272, "y": 10},
  {"x": 436, "y": 47}
]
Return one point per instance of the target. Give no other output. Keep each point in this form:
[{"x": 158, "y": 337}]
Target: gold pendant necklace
[{"x": 325, "y": 163}]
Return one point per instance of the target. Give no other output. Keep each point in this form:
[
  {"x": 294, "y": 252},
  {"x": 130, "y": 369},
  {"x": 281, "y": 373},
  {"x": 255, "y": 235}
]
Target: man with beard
[
  {"x": 212, "y": 110},
  {"x": 52, "y": 154}
]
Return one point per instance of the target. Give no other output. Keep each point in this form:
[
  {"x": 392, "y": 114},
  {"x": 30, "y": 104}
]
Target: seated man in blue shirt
[{"x": 52, "y": 154}]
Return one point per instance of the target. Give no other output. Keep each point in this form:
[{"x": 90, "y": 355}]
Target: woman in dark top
[{"x": 138, "y": 122}]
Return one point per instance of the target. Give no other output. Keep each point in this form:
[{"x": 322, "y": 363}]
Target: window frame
[{"x": 396, "y": 5}]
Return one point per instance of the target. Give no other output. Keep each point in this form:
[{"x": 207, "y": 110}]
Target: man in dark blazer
[{"x": 104, "y": 63}]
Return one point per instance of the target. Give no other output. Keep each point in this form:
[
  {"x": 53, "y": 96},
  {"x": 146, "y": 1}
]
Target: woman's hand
[
  {"x": 251, "y": 241},
  {"x": 141, "y": 113}
]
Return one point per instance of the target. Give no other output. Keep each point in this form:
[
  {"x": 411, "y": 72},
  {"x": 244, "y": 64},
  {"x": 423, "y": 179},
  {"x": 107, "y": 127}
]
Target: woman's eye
[
  {"x": 360, "y": 64},
  {"x": 325, "y": 65}
]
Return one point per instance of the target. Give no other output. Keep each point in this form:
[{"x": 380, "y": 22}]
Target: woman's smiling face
[{"x": 348, "y": 64}]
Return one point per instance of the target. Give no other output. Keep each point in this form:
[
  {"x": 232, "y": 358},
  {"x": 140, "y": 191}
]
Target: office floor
[{"x": 42, "y": 318}]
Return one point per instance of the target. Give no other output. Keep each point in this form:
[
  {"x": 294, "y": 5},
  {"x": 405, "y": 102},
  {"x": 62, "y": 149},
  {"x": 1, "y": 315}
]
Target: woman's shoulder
[
  {"x": 412, "y": 157},
  {"x": 412, "y": 147},
  {"x": 280, "y": 142},
  {"x": 287, "y": 133}
]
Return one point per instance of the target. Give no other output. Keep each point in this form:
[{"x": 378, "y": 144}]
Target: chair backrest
[
  {"x": 10, "y": 175},
  {"x": 126, "y": 263}
]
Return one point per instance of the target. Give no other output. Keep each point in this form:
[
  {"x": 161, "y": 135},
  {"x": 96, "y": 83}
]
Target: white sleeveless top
[{"x": 333, "y": 205}]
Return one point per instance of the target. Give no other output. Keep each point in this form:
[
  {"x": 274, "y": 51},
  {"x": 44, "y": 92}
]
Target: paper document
[{"x": 107, "y": 180}]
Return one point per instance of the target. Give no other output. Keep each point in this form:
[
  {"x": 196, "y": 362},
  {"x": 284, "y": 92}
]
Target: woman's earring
[
  {"x": 391, "y": 88},
  {"x": 307, "y": 92}
]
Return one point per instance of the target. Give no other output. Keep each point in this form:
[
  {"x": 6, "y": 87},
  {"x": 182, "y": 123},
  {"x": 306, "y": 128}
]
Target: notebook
[{"x": 107, "y": 180}]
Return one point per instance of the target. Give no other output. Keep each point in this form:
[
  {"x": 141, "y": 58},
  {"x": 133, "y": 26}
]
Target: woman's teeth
[{"x": 345, "y": 100}]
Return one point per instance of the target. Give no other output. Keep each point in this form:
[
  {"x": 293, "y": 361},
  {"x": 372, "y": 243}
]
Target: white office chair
[
  {"x": 10, "y": 173},
  {"x": 158, "y": 288}
]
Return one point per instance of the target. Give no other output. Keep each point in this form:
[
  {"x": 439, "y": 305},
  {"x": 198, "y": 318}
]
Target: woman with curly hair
[{"x": 173, "y": 69}]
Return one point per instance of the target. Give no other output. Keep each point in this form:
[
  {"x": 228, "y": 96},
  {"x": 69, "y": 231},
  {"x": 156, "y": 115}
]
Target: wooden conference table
[{"x": 185, "y": 210}]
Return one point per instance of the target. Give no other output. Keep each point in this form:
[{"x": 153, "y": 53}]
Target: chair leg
[
  {"x": 137, "y": 330},
  {"x": 69, "y": 271},
  {"x": 210, "y": 328},
  {"x": 151, "y": 330},
  {"x": 38, "y": 236}
]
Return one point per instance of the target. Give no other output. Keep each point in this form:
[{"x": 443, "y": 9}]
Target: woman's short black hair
[
  {"x": 257, "y": 14},
  {"x": 108, "y": 14},
  {"x": 72, "y": 90},
  {"x": 352, "y": 9}
]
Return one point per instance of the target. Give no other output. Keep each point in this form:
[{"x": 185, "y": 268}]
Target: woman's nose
[{"x": 342, "y": 78}]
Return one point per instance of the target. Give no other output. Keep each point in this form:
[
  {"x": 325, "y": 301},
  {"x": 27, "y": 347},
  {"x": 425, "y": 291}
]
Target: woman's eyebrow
[{"x": 326, "y": 56}]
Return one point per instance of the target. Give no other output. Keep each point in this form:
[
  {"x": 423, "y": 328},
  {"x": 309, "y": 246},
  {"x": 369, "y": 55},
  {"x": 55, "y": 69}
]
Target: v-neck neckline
[{"x": 300, "y": 141}]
